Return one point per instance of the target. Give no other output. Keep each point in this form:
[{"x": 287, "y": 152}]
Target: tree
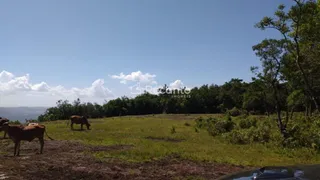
[
  {"x": 300, "y": 29},
  {"x": 272, "y": 53}
]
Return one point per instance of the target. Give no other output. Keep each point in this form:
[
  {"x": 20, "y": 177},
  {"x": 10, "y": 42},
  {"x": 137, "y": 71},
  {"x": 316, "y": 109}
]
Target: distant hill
[{"x": 21, "y": 113}]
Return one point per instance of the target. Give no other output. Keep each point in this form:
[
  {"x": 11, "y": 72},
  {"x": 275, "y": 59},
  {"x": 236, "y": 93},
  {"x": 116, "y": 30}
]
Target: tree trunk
[
  {"x": 278, "y": 109},
  {"x": 287, "y": 117},
  {"x": 292, "y": 110},
  {"x": 310, "y": 109},
  {"x": 265, "y": 104}
]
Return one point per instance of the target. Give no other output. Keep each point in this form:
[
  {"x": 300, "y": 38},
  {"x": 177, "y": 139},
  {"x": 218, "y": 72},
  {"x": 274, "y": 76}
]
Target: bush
[
  {"x": 262, "y": 133},
  {"x": 204, "y": 123},
  {"x": 238, "y": 137},
  {"x": 247, "y": 123},
  {"x": 215, "y": 126},
  {"x": 15, "y": 122},
  {"x": 220, "y": 127},
  {"x": 303, "y": 135},
  {"x": 173, "y": 130},
  {"x": 234, "y": 112},
  {"x": 259, "y": 134},
  {"x": 228, "y": 117}
]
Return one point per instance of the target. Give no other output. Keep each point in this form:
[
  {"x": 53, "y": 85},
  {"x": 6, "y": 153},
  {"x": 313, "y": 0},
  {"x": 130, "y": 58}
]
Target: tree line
[{"x": 288, "y": 79}]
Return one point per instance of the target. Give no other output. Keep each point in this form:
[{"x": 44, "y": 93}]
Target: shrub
[
  {"x": 247, "y": 123},
  {"x": 228, "y": 117},
  {"x": 173, "y": 130},
  {"x": 263, "y": 133},
  {"x": 204, "y": 123},
  {"x": 220, "y": 127},
  {"x": 238, "y": 137},
  {"x": 303, "y": 135},
  {"x": 260, "y": 134},
  {"x": 15, "y": 122},
  {"x": 244, "y": 116},
  {"x": 234, "y": 112}
]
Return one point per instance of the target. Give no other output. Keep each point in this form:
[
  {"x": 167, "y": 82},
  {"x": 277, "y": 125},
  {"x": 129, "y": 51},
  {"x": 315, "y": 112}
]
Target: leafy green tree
[
  {"x": 272, "y": 53},
  {"x": 299, "y": 28}
]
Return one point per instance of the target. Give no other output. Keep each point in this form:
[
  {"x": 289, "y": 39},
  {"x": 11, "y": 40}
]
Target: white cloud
[
  {"x": 41, "y": 87},
  {"x": 177, "y": 84},
  {"x": 137, "y": 76},
  {"x": 6, "y": 76},
  {"x": 19, "y": 90}
]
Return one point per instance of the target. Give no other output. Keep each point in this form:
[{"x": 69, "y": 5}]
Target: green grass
[{"x": 200, "y": 146}]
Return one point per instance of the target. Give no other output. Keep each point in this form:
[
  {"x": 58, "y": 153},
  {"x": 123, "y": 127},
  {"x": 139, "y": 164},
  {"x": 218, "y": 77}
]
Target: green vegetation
[{"x": 152, "y": 138}]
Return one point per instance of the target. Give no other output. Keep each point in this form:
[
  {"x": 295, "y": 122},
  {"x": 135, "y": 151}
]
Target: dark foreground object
[{"x": 304, "y": 172}]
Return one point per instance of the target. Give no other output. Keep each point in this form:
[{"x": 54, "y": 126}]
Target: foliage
[
  {"x": 15, "y": 122},
  {"x": 247, "y": 123},
  {"x": 173, "y": 130},
  {"x": 132, "y": 130},
  {"x": 204, "y": 122},
  {"x": 234, "y": 111},
  {"x": 220, "y": 127}
]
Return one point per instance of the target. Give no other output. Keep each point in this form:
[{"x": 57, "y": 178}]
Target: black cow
[{"x": 75, "y": 119}]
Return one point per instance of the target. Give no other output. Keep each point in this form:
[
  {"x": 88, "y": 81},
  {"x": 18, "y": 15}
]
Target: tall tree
[
  {"x": 272, "y": 53},
  {"x": 299, "y": 28}
]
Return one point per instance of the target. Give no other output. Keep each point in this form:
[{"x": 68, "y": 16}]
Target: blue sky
[{"x": 73, "y": 43}]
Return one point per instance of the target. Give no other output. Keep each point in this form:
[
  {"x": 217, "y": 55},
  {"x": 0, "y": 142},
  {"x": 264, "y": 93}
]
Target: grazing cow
[
  {"x": 19, "y": 133},
  {"x": 75, "y": 119},
  {"x": 2, "y": 121}
]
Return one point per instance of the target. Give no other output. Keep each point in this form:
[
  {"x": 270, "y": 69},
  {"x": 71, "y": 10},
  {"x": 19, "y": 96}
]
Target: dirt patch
[
  {"x": 67, "y": 160},
  {"x": 168, "y": 139},
  {"x": 109, "y": 148}
]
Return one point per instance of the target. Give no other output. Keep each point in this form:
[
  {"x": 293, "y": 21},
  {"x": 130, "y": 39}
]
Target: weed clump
[
  {"x": 234, "y": 112},
  {"x": 173, "y": 130},
  {"x": 215, "y": 126},
  {"x": 247, "y": 123},
  {"x": 259, "y": 134}
]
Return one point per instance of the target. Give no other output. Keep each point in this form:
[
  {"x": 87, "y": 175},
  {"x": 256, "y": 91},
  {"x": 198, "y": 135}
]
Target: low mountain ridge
[{"x": 21, "y": 113}]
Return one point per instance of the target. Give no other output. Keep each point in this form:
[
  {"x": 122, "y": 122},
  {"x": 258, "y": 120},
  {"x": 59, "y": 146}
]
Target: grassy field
[
  {"x": 140, "y": 147},
  {"x": 153, "y": 138}
]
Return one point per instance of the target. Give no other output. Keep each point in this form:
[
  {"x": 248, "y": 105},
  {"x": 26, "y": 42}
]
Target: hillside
[{"x": 21, "y": 113}]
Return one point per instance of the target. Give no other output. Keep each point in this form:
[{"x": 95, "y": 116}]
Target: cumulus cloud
[
  {"x": 177, "y": 84},
  {"x": 5, "y": 76},
  {"x": 10, "y": 86},
  {"x": 137, "y": 76}
]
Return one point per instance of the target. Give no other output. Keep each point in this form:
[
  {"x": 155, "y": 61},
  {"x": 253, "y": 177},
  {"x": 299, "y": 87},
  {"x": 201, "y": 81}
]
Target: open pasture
[{"x": 139, "y": 147}]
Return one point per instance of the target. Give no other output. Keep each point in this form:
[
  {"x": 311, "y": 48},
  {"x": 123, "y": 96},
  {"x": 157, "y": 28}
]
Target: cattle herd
[{"x": 31, "y": 131}]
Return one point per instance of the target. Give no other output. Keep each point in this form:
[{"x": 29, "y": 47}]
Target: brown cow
[
  {"x": 19, "y": 133},
  {"x": 75, "y": 119},
  {"x": 2, "y": 121}
]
